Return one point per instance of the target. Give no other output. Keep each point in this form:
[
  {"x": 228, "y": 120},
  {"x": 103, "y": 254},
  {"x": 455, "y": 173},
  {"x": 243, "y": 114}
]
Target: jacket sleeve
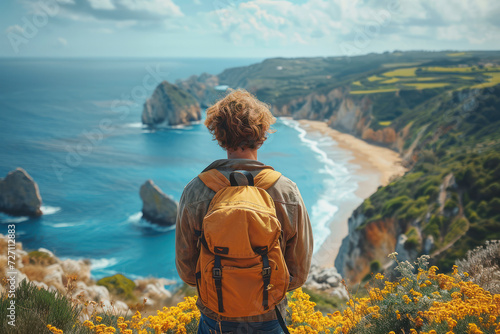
[
  {"x": 186, "y": 251},
  {"x": 299, "y": 248}
]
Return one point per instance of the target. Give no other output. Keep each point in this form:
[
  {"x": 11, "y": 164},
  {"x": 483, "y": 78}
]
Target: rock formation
[
  {"x": 42, "y": 268},
  {"x": 157, "y": 207},
  {"x": 19, "y": 195},
  {"x": 170, "y": 105},
  {"x": 327, "y": 280},
  {"x": 202, "y": 87},
  {"x": 364, "y": 246}
]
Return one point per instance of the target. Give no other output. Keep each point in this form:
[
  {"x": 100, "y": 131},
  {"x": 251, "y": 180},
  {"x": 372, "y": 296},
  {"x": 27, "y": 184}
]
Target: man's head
[{"x": 239, "y": 121}]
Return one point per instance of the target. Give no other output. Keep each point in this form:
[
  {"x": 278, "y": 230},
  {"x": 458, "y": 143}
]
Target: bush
[
  {"x": 41, "y": 258},
  {"x": 417, "y": 302},
  {"x": 368, "y": 208},
  {"x": 392, "y": 205},
  {"x": 483, "y": 265},
  {"x": 119, "y": 285},
  {"x": 35, "y": 308},
  {"x": 420, "y": 301}
]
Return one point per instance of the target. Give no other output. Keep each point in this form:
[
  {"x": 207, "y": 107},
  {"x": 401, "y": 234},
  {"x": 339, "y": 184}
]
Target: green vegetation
[
  {"x": 119, "y": 285},
  {"x": 466, "y": 147},
  {"x": 42, "y": 258},
  {"x": 456, "y": 54},
  {"x": 36, "y": 308},
  {"x": 325, "y": 303},
  {"x": 401, "y": 72},
  {"x": 441, "y": 110},
  {"x": 427, "y": 85},
  {"x": 356, "y": 92}
]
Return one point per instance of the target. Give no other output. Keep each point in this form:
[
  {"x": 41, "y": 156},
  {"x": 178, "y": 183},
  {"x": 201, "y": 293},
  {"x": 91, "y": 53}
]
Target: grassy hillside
[
  {"x": 459, "y": 138},
  {"x": 279, "y": 80},
  {"x": 440, "y": 110}
]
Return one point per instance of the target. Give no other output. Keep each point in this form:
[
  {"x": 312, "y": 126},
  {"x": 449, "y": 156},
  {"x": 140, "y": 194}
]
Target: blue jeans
[{"x": 210, "y": 326}]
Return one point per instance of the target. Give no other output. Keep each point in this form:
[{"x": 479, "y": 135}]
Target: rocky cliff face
[
  {"x": 157, "y": 207},
  {"x": 19, "y": 195},
  {"x": 364, "y": 246},
  {"x": 170, "y": 105},
  {"x": 201, "y": 87},
  {"x": 346, "y": 113},
  {"x": 340, "y": 110},
  {"x": 73, "y": 277}
]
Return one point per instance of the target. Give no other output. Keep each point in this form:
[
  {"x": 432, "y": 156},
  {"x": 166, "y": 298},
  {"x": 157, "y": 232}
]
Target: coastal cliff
[
  {"x": 446, "y": 204},
  {"x": 444, "y": 125},
  {"x": 170, "y": 105},
  {"x": 202, "y": 87}
]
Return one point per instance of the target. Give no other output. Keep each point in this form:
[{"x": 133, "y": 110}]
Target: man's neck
[{"x": 242, "y": 154}]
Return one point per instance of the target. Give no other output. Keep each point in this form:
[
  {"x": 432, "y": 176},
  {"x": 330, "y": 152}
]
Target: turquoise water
[{"x": 59, "y": 120}]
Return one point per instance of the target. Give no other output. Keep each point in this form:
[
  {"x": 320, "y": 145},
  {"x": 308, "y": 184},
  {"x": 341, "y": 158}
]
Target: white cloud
[
  {"x": 143, "y": 11},
  {"x": 161, "y": 7},
  {"x": 102, "y": 4},
  {"x": 62, "y": 41},
  {"x": 16, "y": 29},
  {"x": 286, "y": 23}
]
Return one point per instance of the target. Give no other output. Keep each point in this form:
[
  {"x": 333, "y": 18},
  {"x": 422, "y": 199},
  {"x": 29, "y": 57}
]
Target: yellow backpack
[{"x": 241, "y": 270}]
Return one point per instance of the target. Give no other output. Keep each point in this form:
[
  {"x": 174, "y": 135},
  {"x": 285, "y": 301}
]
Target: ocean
[{"x": 74, "y": 126}]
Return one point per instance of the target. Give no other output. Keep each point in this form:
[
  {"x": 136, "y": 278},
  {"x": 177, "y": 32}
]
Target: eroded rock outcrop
[
  {"x": 73, "y": 278},
  {"x": 326, "y": 280},
  {"x": 157, "y": 207},
  {"x": 170, "y": 105},
  {"x": 365, "y": 244},
  {"x": 202, "y": 87},
  {"x": 19, "y": 194}
]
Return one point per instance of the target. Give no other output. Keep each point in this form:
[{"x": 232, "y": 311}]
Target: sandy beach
[{"x": 377, "y": 166}]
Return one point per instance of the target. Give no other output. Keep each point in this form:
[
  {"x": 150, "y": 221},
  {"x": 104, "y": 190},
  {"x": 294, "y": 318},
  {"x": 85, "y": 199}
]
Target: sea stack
[
  {"x": 157, "y": 207},
  {"x": 19, "y": 195},
  {"x": 170, "y": 105}
]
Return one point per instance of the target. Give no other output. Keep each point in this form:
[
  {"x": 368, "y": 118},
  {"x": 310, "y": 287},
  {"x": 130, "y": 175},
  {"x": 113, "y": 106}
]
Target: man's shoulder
[
  {"x": 196, "y": 191},
  {"x": 285, "y": 190}
]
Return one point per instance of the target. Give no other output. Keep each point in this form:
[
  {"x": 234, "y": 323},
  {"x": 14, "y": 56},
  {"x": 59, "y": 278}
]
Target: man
[{"x": 240, "y": 123}]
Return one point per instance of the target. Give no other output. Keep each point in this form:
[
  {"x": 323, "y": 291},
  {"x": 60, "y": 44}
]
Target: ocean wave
[
  {"x": 134, "y": 125},
  {"x": 49, "y": 210},
  {"x": 6, "y": 219},
  {"x": 137, "y": 220},
  {"x": 339, "y": 183},
  {"x": 62, "y": 225},
  {"x": 99, "y": 264}
]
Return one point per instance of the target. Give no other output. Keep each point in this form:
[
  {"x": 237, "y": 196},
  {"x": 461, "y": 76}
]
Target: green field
[
  {"x": 428, "y": 85},
  {"x": 401, "y": 72},
  {"x": 374, "y": 78},
  {"x": 494, "y": 80},
  {"x": 428, "y": 77},
  {"x": 373, "y": 91},
  {"x": 456, "y": 54}
]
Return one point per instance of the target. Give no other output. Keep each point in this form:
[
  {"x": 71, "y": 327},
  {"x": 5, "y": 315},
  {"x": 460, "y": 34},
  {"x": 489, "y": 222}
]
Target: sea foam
[{"x": 339, "y": 184}]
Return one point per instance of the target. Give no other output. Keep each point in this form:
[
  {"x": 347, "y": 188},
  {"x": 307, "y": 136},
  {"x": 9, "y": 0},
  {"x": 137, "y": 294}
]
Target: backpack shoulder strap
[
  {"x": 266, "y": 178},
  {"x": 214, "y": 179}
]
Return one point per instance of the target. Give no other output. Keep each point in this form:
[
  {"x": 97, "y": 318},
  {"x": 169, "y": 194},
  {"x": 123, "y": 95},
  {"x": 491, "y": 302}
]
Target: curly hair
[{"x": 239, "y": 120}]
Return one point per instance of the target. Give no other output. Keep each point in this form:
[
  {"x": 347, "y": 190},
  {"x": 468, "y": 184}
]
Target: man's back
[
  {"x": 290, "y": 210},
  {"x": 240, "y": 123}
]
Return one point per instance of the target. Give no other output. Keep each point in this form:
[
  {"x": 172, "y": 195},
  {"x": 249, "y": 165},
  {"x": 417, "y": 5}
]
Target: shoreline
[{"x": 377, "y": 165}]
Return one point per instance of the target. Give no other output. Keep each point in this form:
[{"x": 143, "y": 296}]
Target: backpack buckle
[
  {"x": 266, "y": 271},
  {"x": 216, "y": 273}
]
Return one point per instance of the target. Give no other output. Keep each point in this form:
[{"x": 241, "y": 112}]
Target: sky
[{"x": 243, "y": 28}]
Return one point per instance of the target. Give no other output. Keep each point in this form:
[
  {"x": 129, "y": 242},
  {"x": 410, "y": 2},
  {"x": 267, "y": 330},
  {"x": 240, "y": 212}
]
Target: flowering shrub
[
  {"x": 421, "y": 302},
  {"x": 424, "y": 302}
]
